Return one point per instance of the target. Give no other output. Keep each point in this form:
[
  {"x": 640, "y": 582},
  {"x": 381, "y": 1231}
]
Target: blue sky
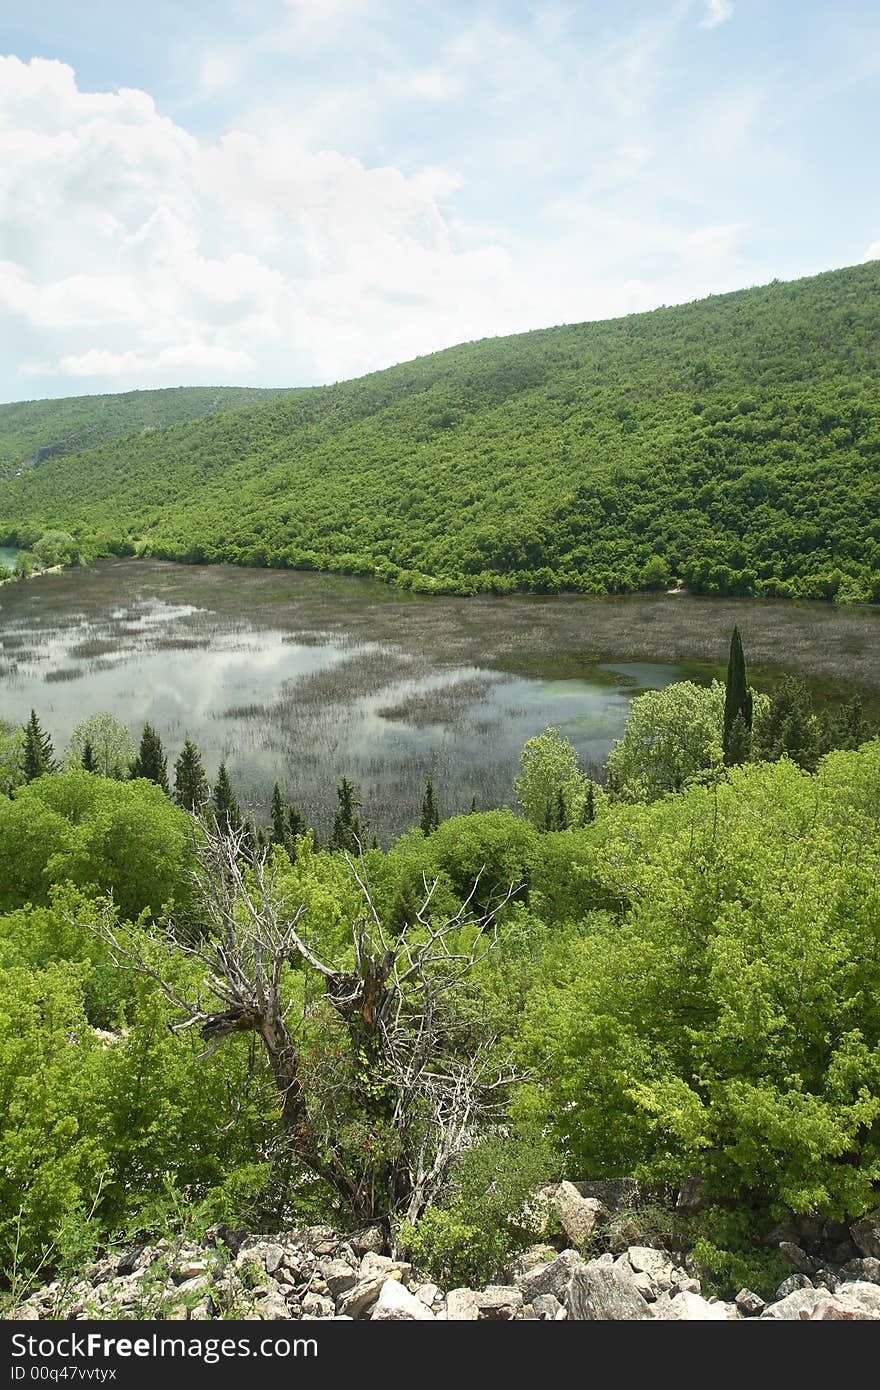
[{"x": 297, "y": 191}]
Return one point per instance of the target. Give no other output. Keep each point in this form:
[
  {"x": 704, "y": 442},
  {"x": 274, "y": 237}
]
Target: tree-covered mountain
[
  {"x": 33, "y": 431},
  {"x": 731, "y": 444}
]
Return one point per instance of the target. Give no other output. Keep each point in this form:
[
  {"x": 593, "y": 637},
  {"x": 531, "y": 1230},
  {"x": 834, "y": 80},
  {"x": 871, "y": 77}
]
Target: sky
[{"x": 292, "y": 192}]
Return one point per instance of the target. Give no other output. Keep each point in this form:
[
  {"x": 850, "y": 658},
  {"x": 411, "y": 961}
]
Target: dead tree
[{"x": 414, "y": 1065}]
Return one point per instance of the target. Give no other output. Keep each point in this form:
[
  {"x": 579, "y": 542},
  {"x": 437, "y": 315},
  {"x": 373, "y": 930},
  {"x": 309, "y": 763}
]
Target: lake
[{"x": 303, "y": 677}]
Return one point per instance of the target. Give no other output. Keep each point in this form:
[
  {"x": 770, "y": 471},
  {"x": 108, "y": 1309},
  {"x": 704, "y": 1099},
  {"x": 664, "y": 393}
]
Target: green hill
[
  {"x": 731, "y": 444},
  {"x": 33, "y": 431}
]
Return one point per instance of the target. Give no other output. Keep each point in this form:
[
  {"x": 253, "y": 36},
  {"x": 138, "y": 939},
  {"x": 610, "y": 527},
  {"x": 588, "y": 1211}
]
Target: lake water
[{"x": 304, "y": 677}]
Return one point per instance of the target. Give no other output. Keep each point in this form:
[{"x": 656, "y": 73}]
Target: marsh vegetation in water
[{"x": 302, "y": 677}]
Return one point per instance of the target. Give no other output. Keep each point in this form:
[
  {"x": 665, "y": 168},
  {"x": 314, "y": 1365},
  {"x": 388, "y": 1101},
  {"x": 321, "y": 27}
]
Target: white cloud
[
  {"x": 717, "y": 12},
  {"x": 872, "y": 253},
  {"x": 132, "y": 254}
]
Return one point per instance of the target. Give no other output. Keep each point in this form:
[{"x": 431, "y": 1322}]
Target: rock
[
  {"x": 133, "y": 1259},
  {"x": 355, "y": 1301},
  {"x": 792, "y": 1284},
  {"x": 397, "y": 1304},
  {"x": 692, "y": 1196},
  {"x": 189, "y": 1269},
  {"x": 272, "y": 1257},
  {"x": 852, "y": 1302},
  {"x": 499, "y": 1302},
  {"x": 599, "y": 1293},
  {"x": 315, "y": 1305},
  {"x": 383, "y": 1264},
  {"x": 552, "y": 1278},
  {"x": 796, "y": 1257},
  {"x": 646, "y": 1287},
  {"x": 339, "y": 1276},
  {"x": 428, "y": 1294},
  {"x": 462, "y": 1306},
  {"x": 615, "y": 1194},
  {"x": 577, "y": 1215},
  {"x": 866, "y": 1235},
  {"x": 546, "y": 1306},
  {"x": 656, "y": 1264},
  {"x": 372, "y": 1238},
  {"x": 201, "y": 1281},
  {"x": 867, "y": 1270},
  {"x": 750, "y": 1305},
  {"x": 692, "y": 1307}
]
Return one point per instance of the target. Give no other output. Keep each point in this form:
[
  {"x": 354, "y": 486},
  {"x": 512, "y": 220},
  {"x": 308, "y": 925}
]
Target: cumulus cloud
[
  {"x": 129, "y": 250},
  {"x": 717, "y": 12},
  {"x": 133, "y": 254}
]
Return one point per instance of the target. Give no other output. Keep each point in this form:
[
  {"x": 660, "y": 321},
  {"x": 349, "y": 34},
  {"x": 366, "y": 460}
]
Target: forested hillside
[
  {"x": 33, "y": 431},
  {"x": 731, "y": 444}
]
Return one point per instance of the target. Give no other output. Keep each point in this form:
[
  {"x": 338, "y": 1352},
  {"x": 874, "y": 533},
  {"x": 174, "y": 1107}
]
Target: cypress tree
[
  {"x": 151, "y": 762},
  {"x": 89, "y": 762},
  {"x": 348, "y": 828},
  {"x": 737, "y": 706},
  {"x": 227, "y": 812},
  {"x": 191, "y": 790},
  {"x": 430, "y": 811},
  {"x": 38, "y": 755}
]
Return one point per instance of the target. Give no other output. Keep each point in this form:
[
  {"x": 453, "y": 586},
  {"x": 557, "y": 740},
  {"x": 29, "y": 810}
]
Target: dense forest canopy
[
  {"x": 730, "y": 444},
  {"x": 33, "y": 431}
]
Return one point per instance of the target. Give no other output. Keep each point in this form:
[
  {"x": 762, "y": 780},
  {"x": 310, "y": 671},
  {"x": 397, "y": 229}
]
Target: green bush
[{"x": 484, "y": 1222}]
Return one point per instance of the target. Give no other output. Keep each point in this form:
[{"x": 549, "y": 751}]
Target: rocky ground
[{"x": 316, "y": 1273}]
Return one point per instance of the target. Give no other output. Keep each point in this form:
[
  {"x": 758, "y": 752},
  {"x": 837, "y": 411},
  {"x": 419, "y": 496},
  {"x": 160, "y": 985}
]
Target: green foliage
[
  {"x": 38, "y": 755},
  {"x": 483, "y": 1221},
  {"x": 12, "y": 743},
  {"x": 108, "y": 744},
  {"x": 730, "y": 443},
  {"x": 151, "y": 762},
  {"x": 224, "y": 803},
  {"x": 191, "y": 790},
  {"x": 348, "y": 831},
  {"x": 32, "y": 432},
  {"x": 723, "y": 1017},
  {"x": 738, "y": 706},
  {"x": 57, "y": 548},
  {"x": 430, "y": 817},
  {"x": 123, "y": 838},
  {"x": 550, "y": 785}
]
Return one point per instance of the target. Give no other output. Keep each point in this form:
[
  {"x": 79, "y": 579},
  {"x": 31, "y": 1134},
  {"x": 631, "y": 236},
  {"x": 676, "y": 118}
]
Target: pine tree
[
  {"x": 737, "y": 706},
  {"x": 89, "y": 762},
  {"x": 348, "y": 828},
  {"x": 151, "y": 762},
  {"x": 38, "y": 755},
  {"x": 191, "y": 790},
  {"x": 430, "y": 811},
  {"x": 561, "y": 811},
  {"x": 296, "y": 826},
  {"x": 588, "y": 814},
  {"x": 280, "y": 827},
  {"x": 227, "y": 812},
  {"x": 790, "y": 728},
  {"x": 852, "y": 729},
  {"x": 474, "y": 808}
]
